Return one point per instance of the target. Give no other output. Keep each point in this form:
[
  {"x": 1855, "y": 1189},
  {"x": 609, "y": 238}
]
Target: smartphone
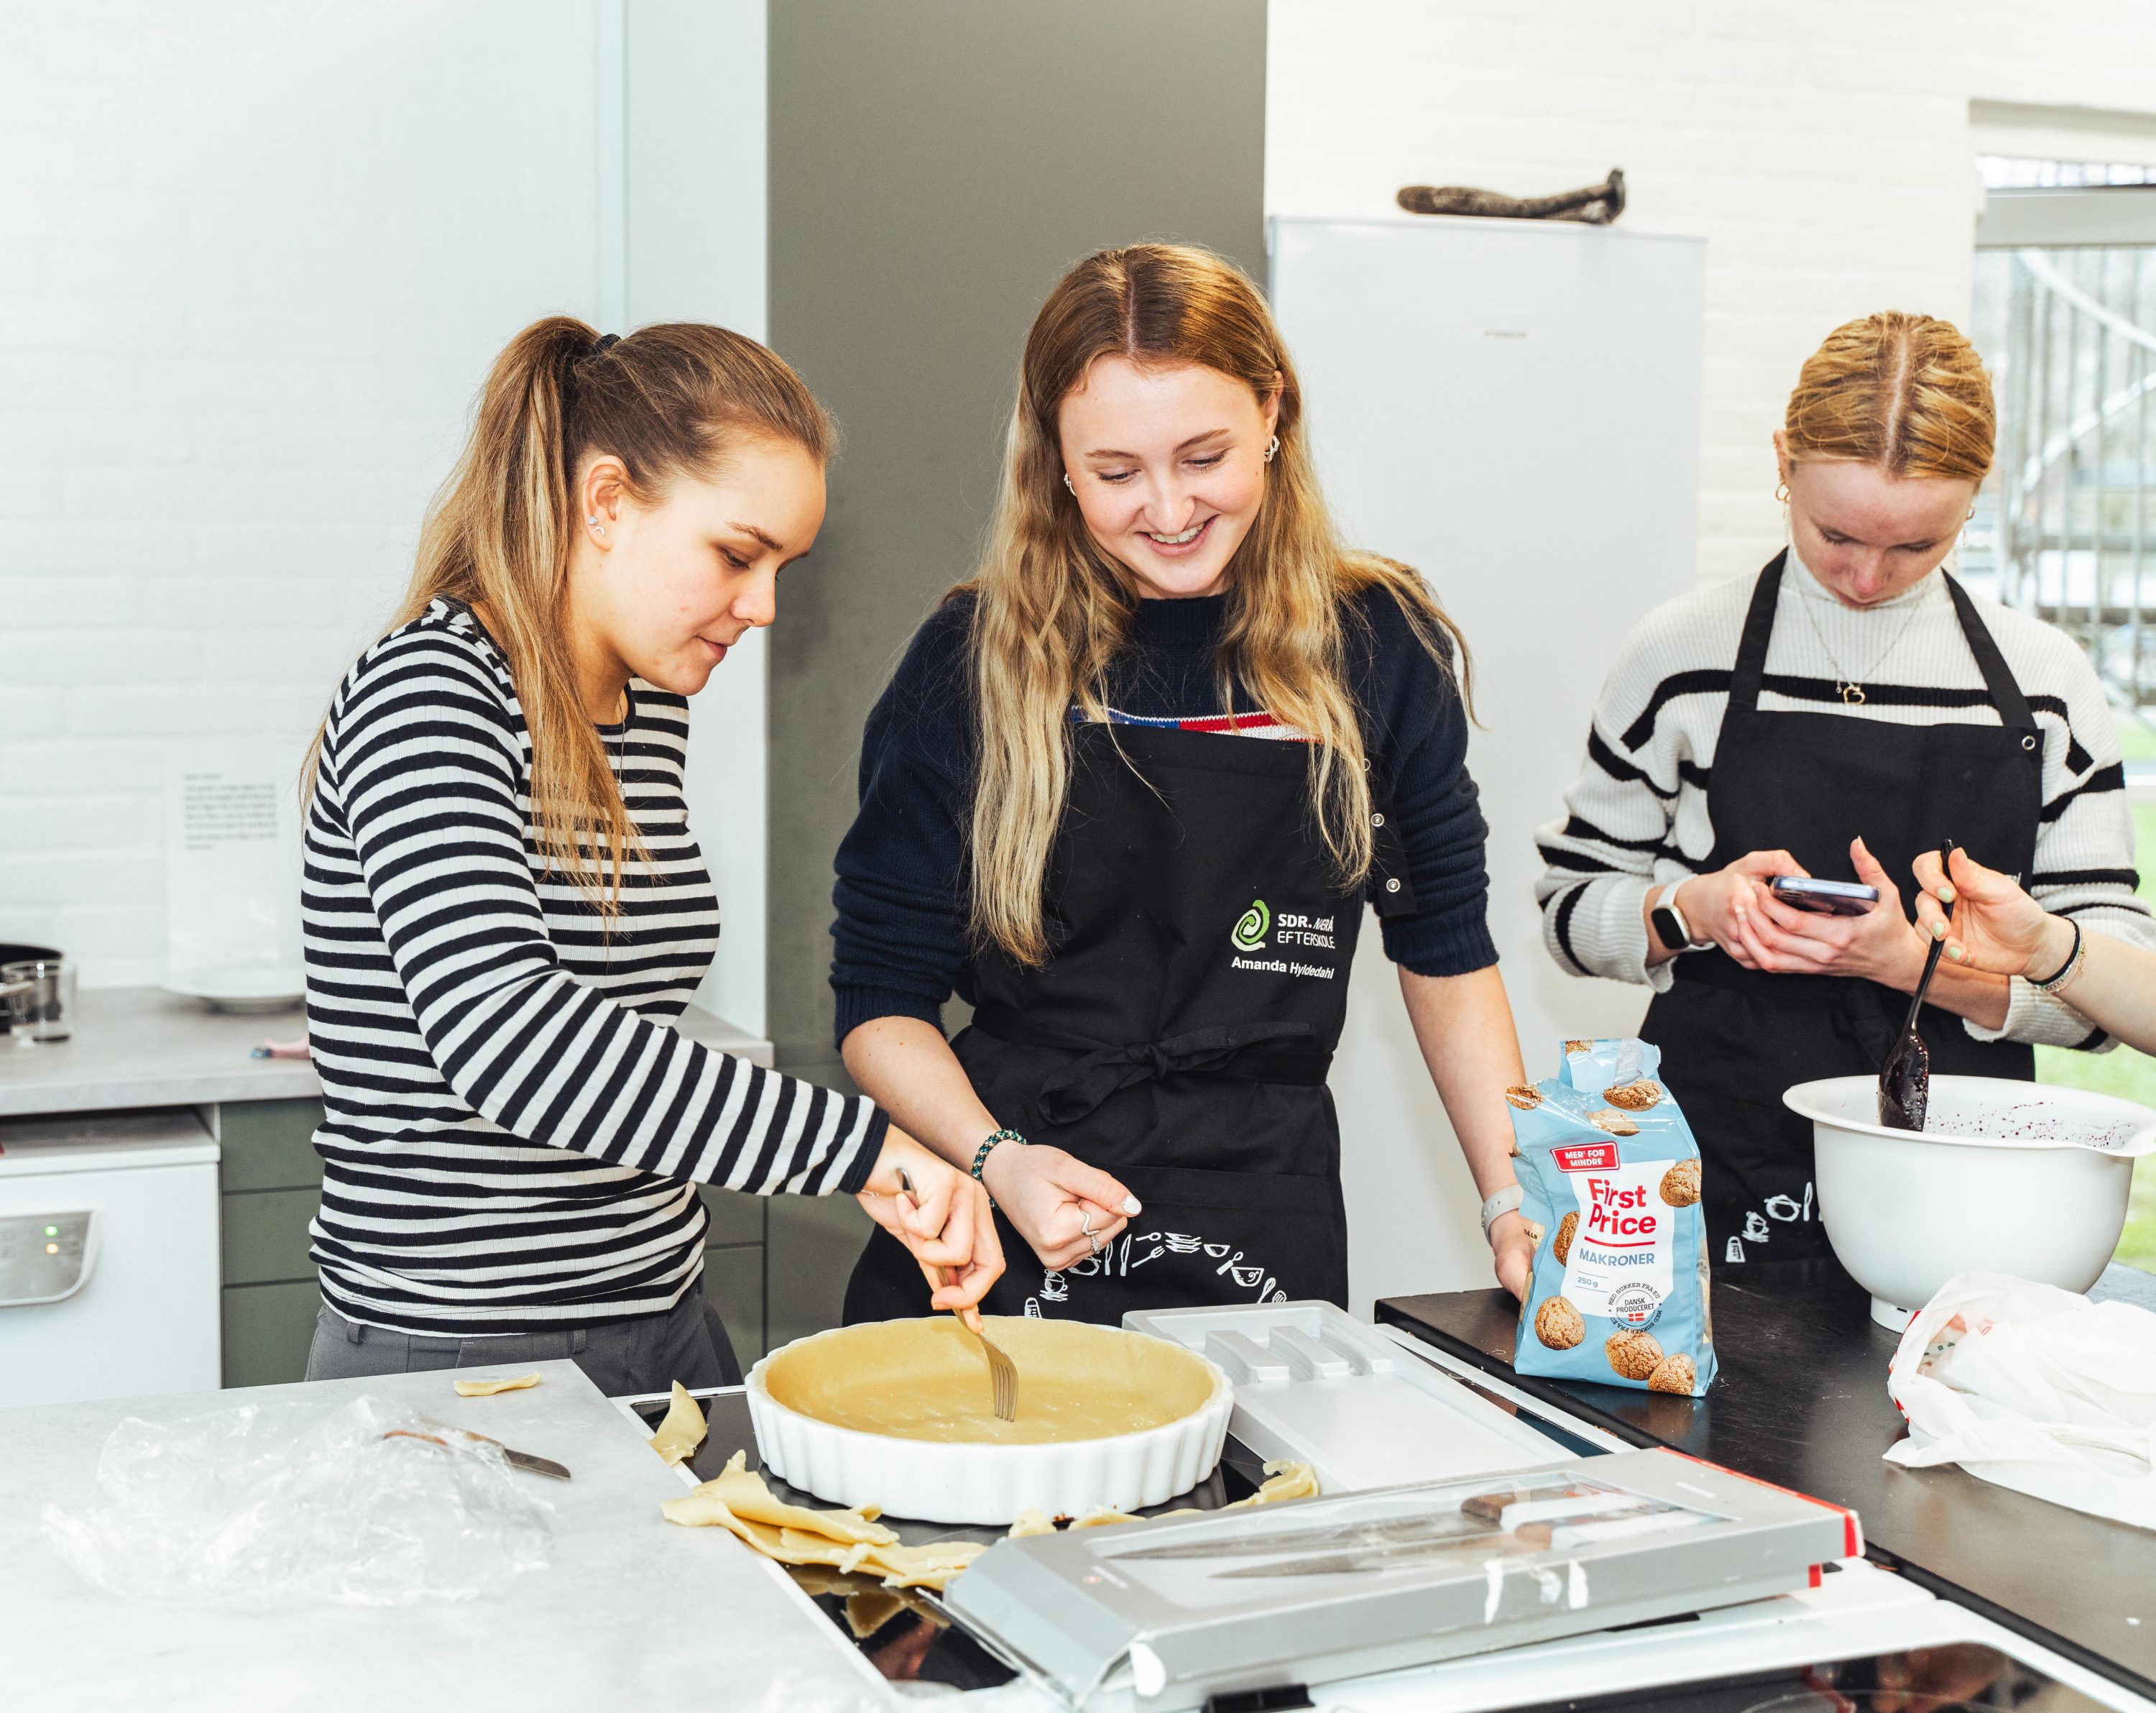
[{"x": 1824, "y": 898}]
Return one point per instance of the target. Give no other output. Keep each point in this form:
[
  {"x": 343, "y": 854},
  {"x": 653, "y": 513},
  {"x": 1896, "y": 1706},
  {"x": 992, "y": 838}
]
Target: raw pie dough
[
  {"x": 487, "y": 1388},
  {"x": 853, "y": 1543},
  {"x": 847, "y": 1540},
  {"x": 928, "y": 1379},
  {"x": 682, "y": 1431}
]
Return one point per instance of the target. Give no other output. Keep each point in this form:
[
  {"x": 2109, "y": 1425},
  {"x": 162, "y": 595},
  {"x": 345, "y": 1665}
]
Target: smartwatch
[
  {"x": 1668, "y": 921},
  {"x": 1495, "y": 1208}
]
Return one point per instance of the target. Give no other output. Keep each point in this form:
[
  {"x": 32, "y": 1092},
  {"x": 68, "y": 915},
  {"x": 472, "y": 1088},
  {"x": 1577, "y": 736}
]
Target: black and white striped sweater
[
  {"x": 512, "y": 1136},
  {"x": 1637, "y": 817}
]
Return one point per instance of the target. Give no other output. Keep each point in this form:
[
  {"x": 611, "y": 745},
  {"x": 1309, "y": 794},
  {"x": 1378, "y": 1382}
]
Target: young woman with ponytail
[
  {"x": 1128, "y": 794},
  {"x": 505, "y": 908}
]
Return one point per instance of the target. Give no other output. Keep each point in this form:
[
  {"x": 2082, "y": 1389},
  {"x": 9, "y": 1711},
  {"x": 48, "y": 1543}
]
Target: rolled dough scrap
[
  {"x": 852, "y": 1543},
  {"x": 1284, "y": 1481},
  {"x": 487, "y": 1388},
  {"x": 746, "y": 1495},
  {"x": 927, "y": 1379},
  {"x": 682, "y": 1431},
  {"x": 848, "y": 1542},
  {"x": 870, "y": 1610}
]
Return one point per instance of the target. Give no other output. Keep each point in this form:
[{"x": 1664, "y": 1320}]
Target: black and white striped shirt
[
  {"x": 512, "y": 1138},
  {"x": 1637, "y": 818}
]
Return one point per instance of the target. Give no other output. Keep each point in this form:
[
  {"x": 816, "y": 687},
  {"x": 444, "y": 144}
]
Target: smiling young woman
[
  {"x": 1838, "y": 716},
  {"x": 1072, "y": 815},
  {"x": 505, "y": 908}
]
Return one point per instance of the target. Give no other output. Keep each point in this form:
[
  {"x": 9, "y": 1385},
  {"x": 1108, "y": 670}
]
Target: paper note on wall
[{"x": 231, "y": 857}]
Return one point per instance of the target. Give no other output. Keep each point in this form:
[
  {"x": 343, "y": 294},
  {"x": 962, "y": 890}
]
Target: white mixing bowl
[{"x": 2006, "y": 1176}]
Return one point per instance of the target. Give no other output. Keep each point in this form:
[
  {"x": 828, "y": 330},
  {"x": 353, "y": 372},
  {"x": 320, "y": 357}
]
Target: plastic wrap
[{"x": 299, "y": 1502}]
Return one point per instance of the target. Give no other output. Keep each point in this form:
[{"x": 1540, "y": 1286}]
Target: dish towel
[{"x": 2033, "y": 1388}]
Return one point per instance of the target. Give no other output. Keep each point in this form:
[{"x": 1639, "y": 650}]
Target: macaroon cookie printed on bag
[{"x": 1609, "y": 1174}]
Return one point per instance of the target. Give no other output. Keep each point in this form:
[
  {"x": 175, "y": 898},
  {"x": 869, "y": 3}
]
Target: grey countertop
[
  {"x": 1801, "y": 1402},
  {"x": 633, "y": 1612},
  {"x": 137, "y": 1047}
]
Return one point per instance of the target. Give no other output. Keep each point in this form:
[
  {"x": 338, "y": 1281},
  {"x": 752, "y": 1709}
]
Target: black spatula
[{"x": 1905, "y": 1080}]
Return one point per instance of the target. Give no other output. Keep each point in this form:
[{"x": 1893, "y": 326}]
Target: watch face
[{"x": 1666, "y": 929}]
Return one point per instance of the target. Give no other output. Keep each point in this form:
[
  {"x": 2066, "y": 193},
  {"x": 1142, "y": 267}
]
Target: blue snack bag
[{"x": 1609, "y": 1174}]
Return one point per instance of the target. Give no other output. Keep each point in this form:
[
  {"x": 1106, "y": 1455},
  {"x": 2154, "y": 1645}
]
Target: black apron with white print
[
  {"x": 1179, "y": 1035},
  {"x": 1732, "y": 1039}
]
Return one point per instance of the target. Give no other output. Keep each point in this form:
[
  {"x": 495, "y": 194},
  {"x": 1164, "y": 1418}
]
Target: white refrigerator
[{"x": 1512, "y": 407}]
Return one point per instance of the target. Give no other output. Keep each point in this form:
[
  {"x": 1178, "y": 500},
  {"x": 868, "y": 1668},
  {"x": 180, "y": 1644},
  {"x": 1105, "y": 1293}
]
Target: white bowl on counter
[
  {"x": 2005, "y": 1176},
  {"x": 245, "y": 989},
  {"x": 967, "y": 1481}
]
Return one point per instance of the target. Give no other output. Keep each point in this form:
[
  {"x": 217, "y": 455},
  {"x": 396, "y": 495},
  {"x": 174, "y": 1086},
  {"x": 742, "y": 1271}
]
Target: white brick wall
[
  {"x": 1821, "y": 146},
  {"x": 254, "y": 258}
]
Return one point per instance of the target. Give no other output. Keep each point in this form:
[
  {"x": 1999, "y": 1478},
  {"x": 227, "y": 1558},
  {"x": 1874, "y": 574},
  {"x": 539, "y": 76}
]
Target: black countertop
[{"x": 1801, "y": 1402}]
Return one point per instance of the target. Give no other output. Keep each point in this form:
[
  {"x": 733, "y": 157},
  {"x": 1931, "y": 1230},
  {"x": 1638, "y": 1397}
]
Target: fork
[{"x": 1002, "y": 1376}]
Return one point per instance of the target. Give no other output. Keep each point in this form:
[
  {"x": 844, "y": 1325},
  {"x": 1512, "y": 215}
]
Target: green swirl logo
[{"x": 1249, "y": 934}]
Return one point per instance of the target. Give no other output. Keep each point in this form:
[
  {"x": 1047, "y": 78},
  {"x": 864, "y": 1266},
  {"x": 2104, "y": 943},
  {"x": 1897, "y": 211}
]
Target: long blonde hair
[
  {"x": 1905, "y": 392},
  {"x": 1052, "y": 609},
  {"x": 669, "y": 400}
]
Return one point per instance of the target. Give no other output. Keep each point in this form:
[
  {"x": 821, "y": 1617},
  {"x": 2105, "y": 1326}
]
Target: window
[{"x": 2064, "y": 310}]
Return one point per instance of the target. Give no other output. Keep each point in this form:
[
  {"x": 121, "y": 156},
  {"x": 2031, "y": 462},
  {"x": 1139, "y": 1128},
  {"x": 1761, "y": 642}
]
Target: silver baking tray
[{"x": 1171, "y": 1611}]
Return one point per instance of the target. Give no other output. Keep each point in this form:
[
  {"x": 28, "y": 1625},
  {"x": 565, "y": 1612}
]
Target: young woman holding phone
[
  {"x": 505, "y": 908},
  {"x": 1850, "y": 707},
  {"x": 1129, "y": 794}
]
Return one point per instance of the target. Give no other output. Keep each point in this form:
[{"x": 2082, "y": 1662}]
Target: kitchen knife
[
  {"x": 1504, "y": 1545},
  {"x": 517, "y": 1459},
  {"x": 537, "y": 1465},
  {"x": 1444, "y": 1527},
  {"x": 1535, "y": 1537}
]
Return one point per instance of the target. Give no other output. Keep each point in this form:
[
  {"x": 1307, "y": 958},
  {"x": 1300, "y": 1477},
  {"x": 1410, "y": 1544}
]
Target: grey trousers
[{"x": 688, "y": 1342}]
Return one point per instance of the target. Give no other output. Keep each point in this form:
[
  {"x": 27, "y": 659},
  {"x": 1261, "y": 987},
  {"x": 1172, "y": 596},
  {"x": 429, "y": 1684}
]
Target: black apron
[
  {"x": 1179, "y": 1035},
  {"x": 1732, "y": 1039}
]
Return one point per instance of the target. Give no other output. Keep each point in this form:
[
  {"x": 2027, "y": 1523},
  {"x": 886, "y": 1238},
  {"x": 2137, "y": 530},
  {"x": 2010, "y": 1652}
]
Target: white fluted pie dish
[{"x": 898, "y": 1414}]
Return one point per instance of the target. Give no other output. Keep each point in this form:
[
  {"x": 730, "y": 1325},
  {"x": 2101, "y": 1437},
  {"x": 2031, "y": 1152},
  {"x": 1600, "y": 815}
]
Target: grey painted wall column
[{"x": 934, "y": 166}]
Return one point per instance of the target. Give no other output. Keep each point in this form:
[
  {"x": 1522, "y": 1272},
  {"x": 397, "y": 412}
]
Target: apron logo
[{"x": 1249, "y": 934}]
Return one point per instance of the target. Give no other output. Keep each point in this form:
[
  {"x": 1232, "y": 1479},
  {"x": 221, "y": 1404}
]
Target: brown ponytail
[{"x": 670, "y": 400}]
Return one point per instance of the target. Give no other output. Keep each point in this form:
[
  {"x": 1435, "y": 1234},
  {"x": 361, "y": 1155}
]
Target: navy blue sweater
[{"x": 903, "y": 945}]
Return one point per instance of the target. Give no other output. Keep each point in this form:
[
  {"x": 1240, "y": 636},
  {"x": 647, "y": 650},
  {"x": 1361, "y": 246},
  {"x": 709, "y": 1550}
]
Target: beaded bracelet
[
  {"x": 981, "y": 1155},
  {"x": 2070, "y": 969}
]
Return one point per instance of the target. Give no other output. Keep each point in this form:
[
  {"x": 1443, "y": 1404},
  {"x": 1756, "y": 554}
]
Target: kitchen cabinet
[{"x": 271, "y": 1185}]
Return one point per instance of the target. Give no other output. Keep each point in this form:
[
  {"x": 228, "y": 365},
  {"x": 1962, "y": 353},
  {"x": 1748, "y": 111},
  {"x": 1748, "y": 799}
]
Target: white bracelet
[{"x": 1505, "y": 1200}]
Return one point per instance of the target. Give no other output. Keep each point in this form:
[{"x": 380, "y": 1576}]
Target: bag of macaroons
[{"x": 1610, "y": 1177}]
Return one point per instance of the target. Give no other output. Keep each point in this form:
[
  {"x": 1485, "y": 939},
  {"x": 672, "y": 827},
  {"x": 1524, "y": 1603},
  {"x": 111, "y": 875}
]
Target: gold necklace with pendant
[{"x": 1851, "y": 690}]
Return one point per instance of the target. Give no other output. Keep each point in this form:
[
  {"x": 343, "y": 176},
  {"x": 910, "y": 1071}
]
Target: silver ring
[
  {"x": 1094, "y": 1240},
  {"x": 1086, "y": 1223}
]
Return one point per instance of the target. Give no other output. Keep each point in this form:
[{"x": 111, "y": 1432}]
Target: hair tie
[{"x": 607, "y": 342}]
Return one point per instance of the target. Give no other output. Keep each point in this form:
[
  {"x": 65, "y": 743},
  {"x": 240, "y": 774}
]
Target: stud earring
[
  {"x": 1272, "y": 449},
  {"x": 1066, "y": 482},
  {"x": 593, "y": 520}
]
